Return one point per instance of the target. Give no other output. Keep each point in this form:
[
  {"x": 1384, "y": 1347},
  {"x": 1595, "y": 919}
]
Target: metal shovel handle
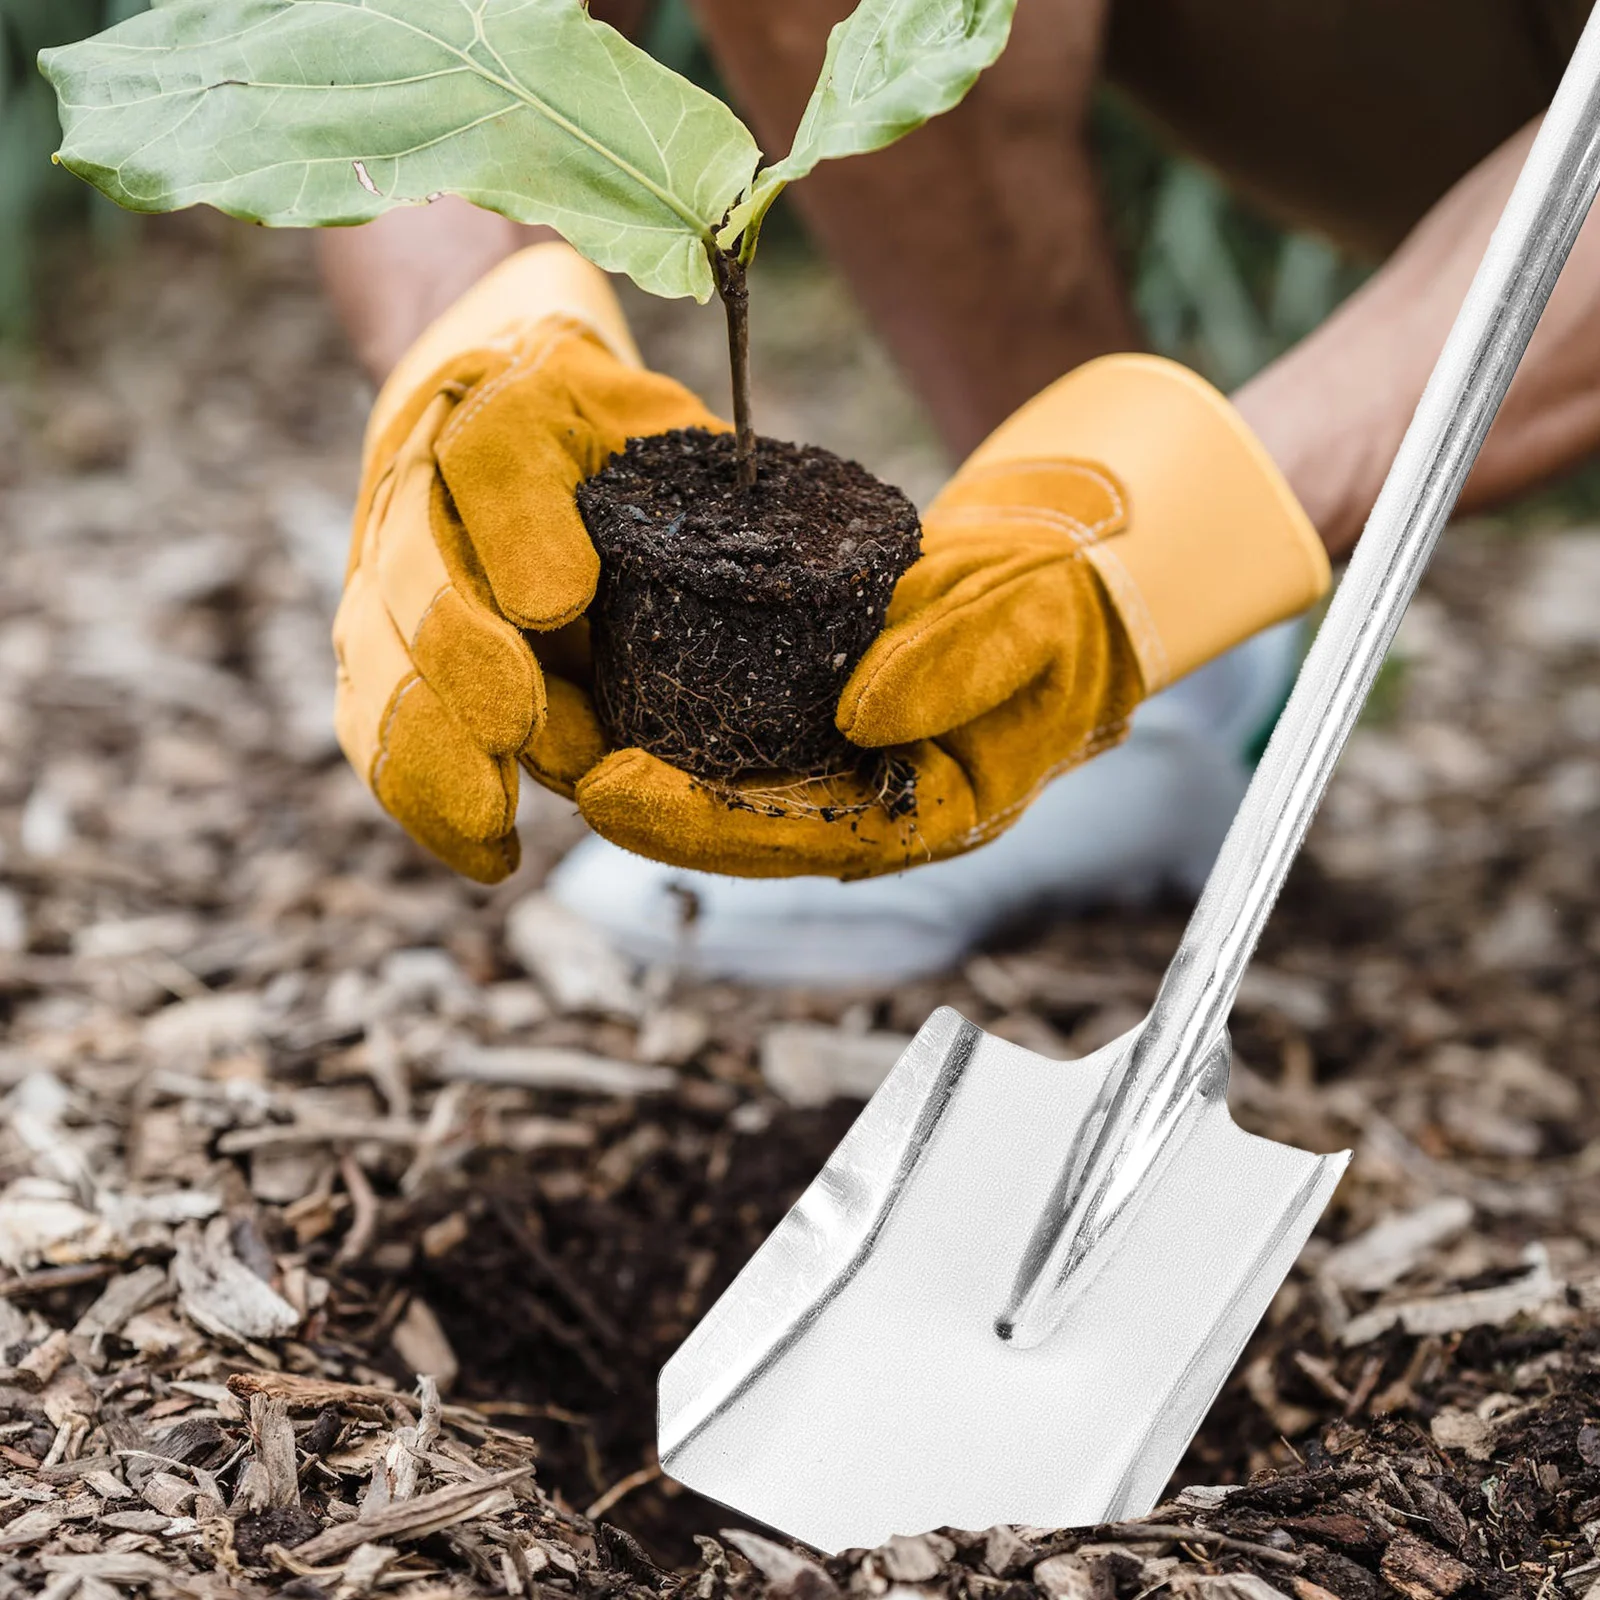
[
  {"x": 1508, "y": 295},
  {"x": 1182, "y": 1047}
]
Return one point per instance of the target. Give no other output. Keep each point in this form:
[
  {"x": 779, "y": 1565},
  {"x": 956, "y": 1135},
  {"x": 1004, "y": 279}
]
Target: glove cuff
[
  {"x": 541, "y": 281},
  {"x": 1214, "y": 546}
]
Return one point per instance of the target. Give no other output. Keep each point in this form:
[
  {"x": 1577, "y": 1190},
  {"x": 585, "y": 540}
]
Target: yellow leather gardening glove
[
  {"x": 1118, "y": 531},
  {"x": 467, "y": 533}
]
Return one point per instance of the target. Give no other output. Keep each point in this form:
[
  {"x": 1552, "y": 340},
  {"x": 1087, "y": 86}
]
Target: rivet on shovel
[{"x": 1018, "y": 1284}]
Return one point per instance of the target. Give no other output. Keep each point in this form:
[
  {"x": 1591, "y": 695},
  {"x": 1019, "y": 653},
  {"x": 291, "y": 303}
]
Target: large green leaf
[
  {"x": 891, "y": 65},
  {"x": 316, "y": 112}
]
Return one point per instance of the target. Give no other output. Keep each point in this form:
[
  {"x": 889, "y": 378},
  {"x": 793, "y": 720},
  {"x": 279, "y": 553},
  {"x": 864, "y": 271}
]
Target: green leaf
[
  {"x": 892, "y": 65},
  {"x": 304, "y": 113}
]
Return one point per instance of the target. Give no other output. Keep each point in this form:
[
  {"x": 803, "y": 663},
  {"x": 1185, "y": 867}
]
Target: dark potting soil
[
  {"x": 281, "y": 1525},
  {"x": 728, "y": 620},
  {"x": 563, "y": 1310}
]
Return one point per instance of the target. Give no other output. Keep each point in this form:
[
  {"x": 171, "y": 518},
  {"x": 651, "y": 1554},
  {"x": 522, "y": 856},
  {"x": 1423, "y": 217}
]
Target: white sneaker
[{"x": 1145, "y": 816}]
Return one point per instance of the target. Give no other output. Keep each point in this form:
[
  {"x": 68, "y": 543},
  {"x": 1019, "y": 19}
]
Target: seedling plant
[{"x": 726, "y": 624}]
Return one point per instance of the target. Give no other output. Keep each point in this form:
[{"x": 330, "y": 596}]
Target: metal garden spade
[{"x": 1016, "y": 1287}]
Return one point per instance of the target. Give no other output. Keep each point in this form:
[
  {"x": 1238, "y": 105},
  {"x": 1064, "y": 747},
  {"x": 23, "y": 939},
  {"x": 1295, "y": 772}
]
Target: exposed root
[{"x": 876, "y": 782}]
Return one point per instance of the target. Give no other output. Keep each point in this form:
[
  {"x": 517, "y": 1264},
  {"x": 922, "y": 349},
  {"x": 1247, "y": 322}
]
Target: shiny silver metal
[
  {"x": 955, "y": 1325},
  {"x": 849, "y": 1385}
]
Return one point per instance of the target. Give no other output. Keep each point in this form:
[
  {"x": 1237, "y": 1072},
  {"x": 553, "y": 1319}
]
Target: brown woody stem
[{"x": 735, "y": 295}]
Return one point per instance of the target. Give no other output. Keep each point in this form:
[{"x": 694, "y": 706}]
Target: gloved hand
[
  {"x": 467, "y": 534},
  {"x": 1121, "y": 529},
  {"x": 1053, "y": 593}
]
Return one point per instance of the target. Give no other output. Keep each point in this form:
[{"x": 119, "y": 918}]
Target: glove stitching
[
  {"x": 410, "y": 640},
  {"x": 427, "y": 611},
  {"x": 446, "y": 587},
  {"x": 380, "y": 761},
  {"x": 567, "y": 791},
  {"x": 1082, "y": 534},
  {"x": 1098, "y": 739},
  {"x": 1126, "y": 598},
  {"x": 387, "y": 446},
  {"x": 524, "y": 363},
  {"x": 1072, "y": 469}
]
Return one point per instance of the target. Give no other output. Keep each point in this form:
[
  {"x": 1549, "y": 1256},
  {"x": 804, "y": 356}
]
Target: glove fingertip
[
  {"x": 627, "y": 782},
  {"x": 776, "y": 827},
  {"x": 484, "y": 860},
  {"x": 511, "y": 463},
  {"x": 540, "y": 565},
  {"x": 923, "y": 677},
  {"x": 874, "y": 721},
  {"x": 483, "y": 670},
  {"x": 568, "y": 743},
  {"x": 430, "y": 775},
  {"x": 556, "y": 580},
  {"x": 487, "y": 864},
  {"x": 640, "y": 803}
]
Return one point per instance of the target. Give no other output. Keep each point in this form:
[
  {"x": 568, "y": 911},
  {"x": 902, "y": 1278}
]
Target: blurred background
[{"x": 38, "y": 203}]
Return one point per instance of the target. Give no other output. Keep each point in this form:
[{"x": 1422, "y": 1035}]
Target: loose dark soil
[{"x": 728, "y": 620}]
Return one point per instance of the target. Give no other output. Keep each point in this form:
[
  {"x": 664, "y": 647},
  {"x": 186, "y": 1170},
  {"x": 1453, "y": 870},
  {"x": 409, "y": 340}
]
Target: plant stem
[{"x": 735, "y": 295}]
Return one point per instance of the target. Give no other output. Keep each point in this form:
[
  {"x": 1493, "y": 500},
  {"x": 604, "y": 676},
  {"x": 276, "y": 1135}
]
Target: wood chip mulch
[{"x": 289, "y": 1116}]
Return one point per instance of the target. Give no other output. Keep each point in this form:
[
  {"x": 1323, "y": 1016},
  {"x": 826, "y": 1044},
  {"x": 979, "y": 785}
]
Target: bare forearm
[
  {"x": 389, "y": 279},
  {"x": 1332, "y": 411}
]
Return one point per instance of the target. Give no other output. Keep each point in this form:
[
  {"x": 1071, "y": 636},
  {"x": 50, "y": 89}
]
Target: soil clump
[{"x": 728, "y": 620}]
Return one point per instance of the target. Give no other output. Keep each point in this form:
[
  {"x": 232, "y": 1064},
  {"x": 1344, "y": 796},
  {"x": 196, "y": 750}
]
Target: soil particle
[
  {"x": 285, "y": 1525},
  {"x": 728, "y": 621}
]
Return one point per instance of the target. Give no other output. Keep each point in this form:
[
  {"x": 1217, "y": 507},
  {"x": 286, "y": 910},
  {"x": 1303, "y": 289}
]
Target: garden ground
[{"x": 293, "y": 1114}]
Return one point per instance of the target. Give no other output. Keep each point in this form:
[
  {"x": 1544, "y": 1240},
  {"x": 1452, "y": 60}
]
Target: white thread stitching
[
  {"x": 380, "y": 760},
  {"x": 1075, "y": 469},
  {"x": 1126, "y": 596},
  {"x": 522, "y": 365},
  {"x": 1101, "y": 738},
  {"x": 1081, "y": 534}
]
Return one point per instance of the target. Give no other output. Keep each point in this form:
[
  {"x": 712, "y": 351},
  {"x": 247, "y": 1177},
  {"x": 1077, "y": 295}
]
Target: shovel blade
[{"x": 850, "y": 1384}]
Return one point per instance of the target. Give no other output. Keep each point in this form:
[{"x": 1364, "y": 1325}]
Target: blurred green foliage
[
  {"x": 672, "y": 36},
  {"x": 1217, "y": 284},
  {"x": 36, "y": 198}
]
